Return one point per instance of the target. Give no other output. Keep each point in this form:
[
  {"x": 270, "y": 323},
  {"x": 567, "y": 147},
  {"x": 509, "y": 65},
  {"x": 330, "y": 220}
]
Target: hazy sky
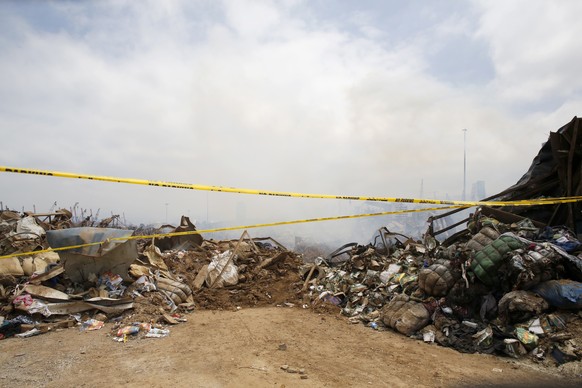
[{"x": 336, "y": 97}]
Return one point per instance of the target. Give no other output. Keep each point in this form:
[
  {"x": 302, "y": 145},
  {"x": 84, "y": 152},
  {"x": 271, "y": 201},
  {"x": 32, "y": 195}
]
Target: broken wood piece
[
  {"x": 169, "y": 319},
  {"x": 200, "y": 278},
  {"x": 308, "y": 278},
  {"x": 272, "y": 260}
]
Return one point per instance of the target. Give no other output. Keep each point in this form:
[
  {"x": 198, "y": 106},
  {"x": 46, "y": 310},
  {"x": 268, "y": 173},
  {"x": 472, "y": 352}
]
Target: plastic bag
[
  {"x": 564, "y": 293},
  {"x": 222, "y": 271}
]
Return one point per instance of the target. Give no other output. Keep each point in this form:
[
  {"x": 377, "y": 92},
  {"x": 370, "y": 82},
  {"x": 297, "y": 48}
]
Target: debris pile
[
  {"x": 510, "y": 289},
  {"x": 139, "y": 285},
  {"x": 27, "y": 232}
]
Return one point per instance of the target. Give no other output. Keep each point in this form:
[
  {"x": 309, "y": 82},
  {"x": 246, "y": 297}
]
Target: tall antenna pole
[{"x": 464, "y": 163}]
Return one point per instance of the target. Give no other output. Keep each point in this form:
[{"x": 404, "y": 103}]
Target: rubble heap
[
  {"x": 141, "y": 285},
  {"x": 503, "y": 288}
]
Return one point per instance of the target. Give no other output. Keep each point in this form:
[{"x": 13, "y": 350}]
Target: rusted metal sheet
[
  {"x": 179, "y": 242},
  {"x": 112, "y": 255}
]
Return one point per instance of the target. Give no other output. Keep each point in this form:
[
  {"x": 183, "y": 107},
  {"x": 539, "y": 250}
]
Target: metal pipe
[{"x": 464, "y": 163}]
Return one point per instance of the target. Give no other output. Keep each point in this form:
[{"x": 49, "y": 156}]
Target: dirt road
[{"x": 241, "y": 349}]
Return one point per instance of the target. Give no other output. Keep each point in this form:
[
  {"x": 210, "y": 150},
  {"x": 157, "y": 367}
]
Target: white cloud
[
  {"x": 259, "y": 95},
  {"x": 535, "y": 47},
  {"x": 253, "y": 19}
]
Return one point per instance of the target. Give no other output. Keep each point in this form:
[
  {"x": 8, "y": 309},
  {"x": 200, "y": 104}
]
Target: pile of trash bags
[{"x": 510, "y": 289}]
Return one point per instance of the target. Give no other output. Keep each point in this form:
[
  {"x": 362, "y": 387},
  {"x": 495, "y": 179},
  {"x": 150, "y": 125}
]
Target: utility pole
[{"x": 464, "y": 163}]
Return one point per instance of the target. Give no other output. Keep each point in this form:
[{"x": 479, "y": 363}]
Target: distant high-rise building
[{"x": 478, "y": 191}]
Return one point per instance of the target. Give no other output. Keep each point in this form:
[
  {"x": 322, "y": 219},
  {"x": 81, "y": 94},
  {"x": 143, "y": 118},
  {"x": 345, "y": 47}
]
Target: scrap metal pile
[
  {"x": 140, "y": 285},
  {"x": 506, "y": 288}
]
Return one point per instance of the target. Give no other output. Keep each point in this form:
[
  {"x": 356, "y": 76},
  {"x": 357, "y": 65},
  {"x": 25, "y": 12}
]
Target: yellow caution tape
[
  {"x": 175, "y": 185},
  {"x": 280, "y": 223}
]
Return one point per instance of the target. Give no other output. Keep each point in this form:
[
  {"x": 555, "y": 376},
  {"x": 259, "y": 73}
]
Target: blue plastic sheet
[{"x": 565, "y": 294}]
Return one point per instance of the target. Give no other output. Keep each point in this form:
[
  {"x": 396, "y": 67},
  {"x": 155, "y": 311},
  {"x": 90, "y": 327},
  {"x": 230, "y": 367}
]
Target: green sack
[{"x": 487, "y": 261}]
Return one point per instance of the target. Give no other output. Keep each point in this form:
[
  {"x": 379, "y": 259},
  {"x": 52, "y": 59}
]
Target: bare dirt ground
[{"x": 232, "y": 348}]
